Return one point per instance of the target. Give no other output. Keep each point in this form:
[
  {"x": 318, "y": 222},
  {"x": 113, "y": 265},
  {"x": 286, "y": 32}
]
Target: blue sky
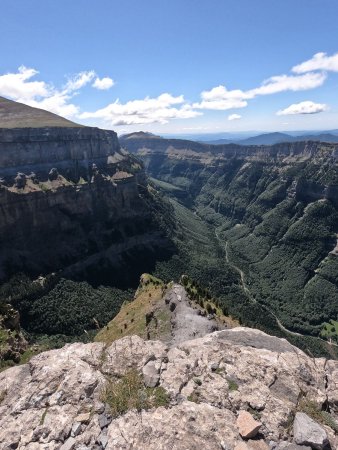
[{"x": 178, "y": 66}]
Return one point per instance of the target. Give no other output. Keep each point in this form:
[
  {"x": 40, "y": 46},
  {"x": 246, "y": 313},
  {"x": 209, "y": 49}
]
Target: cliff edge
[{"x": 232, "y": 389}]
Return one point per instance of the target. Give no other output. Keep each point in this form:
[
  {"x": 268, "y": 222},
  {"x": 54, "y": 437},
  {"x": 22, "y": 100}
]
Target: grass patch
[
  {"x": 194, "y": 397},
  {"x": 2, "y": 396},
  {"x": 129, "y": 393},
  {"x": 131, "y": 319},
  {"x": 314, "y": 410},
  {"x": 42, "y": 420},
  {"x": 233, "y": 386}
]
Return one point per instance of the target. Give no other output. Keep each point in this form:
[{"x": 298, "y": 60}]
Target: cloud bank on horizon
[{"x": 22, "y": 86}]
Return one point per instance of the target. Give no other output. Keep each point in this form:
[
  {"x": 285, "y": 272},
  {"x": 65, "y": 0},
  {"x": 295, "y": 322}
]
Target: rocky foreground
[{"x": 233, "y": 389}]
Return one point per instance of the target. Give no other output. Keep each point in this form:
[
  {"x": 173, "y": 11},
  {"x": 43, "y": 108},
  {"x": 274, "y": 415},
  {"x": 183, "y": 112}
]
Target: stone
[
  {"x": 69, "y": 444},
  {"x": 104, "y": 420},
  {"x": 59, "y": 386},
  {"x": 248, "y": 427},
  {"x": 76, "y": 429},
  {"x": 103, "y": 440},
  {"x": 214, "y": 367},
  {"x": 150, "y": 374},
  {"x": 83, "y": 418},
  {"x": 308, "y": 432}
]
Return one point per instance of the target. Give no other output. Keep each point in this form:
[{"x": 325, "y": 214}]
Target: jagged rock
[
  {"x": 69, "y": 444},
  {"x": 76, "y": 429},
  {"x": 150, "y": 374},
  {"x": 45, "y": 398},
  {"x": 307, "y": 432},
  {"x": 53, "y": 174},
  {"x": 104, "y": 420},
  {"x": 20, "y": 180},
  {"x": 103, "y": 439},
  {"x": 248, "y": 427},
  {"x": 214, "y": 367}
]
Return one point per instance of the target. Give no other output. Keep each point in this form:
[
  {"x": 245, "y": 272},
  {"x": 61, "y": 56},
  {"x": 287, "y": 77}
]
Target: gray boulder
[
  {"x": 150, "y": 374},
  {"x": 307, "y": 432}
]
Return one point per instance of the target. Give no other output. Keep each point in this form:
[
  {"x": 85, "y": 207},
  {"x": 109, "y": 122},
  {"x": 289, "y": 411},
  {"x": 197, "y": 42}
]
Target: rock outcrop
[{"x": 56, "y": 401}]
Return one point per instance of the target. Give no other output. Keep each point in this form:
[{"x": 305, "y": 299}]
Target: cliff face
[
  {"x": 233, "y": 389},
  {"x": 273, "y": 208},
  {"x": 70, "y": 197}
]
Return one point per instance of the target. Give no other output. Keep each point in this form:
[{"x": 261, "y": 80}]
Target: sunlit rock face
[
  {"x": 237, "y": 388},
  {"x": 71, "y": 197}
]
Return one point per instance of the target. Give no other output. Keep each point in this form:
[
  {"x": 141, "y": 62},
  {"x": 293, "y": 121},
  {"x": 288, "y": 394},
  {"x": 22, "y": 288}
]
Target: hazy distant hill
[
  {"x": 276, "y": 138},
  {"x": 18, "y": 115}
]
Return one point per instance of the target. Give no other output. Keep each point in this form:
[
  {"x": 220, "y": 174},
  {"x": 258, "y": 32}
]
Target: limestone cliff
[
  {"x": 232, "y": 389},
  {"x": 69, "y": 197}
]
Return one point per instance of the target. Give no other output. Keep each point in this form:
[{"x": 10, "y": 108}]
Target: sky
[{"x": 174, "y": 66}]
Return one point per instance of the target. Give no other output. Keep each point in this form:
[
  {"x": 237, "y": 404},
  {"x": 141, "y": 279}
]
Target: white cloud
[
  {"x": 103, "y": 83},
  {"x": 149, "y": 110},
  {"x": 18, "y": 85},
  {"x": 306, "y": 107},
  {"x": 234, "y": 117},
  {"x": 220, "y": 98},
  {"x": 319, "y": 61},
  {"x": 282, "y": 83},
  {"x": 79, "y": 80}
]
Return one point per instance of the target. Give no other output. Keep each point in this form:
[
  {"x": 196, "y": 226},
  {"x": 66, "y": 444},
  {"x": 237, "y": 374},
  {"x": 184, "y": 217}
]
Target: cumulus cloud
[
  {"x": 20, "y": 87},
  {"x": 234, "y": 117},
  {"x": 103, "y": 83},
  {"x": 160, "y": 109},
  {"x": 220, "y": 98},
  {"x": 319, "y": 61},
  {"x": 306, "y": 107}
]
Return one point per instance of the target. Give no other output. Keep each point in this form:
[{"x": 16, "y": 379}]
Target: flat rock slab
[{"x": 256, "y": 339}]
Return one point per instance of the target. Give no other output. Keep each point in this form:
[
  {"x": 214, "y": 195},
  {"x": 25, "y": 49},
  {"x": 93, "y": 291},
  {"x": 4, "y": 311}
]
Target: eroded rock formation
[{"x": 212, "y": 384}]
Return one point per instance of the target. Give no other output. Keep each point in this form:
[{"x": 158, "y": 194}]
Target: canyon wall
[{"x": 66, "y": 195}]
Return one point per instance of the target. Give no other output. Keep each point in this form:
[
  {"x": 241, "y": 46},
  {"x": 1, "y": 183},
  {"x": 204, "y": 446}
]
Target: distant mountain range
[
  {"x": 259, "y": 138},
  {"x": 275, "y": 138}
]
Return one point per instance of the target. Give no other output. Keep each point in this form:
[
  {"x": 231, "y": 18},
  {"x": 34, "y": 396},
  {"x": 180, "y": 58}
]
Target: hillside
[{"x": 17, "y": 115}]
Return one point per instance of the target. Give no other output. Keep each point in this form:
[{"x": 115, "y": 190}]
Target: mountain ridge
[{"x": 18, "y": 115}]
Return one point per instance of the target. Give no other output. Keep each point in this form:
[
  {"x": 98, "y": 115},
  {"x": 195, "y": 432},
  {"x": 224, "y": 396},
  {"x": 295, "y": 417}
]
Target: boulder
[
  {"x": 150, "y": 374},
  {"x": 307, "y": 432},
  {"x": 248, "y": 427}
]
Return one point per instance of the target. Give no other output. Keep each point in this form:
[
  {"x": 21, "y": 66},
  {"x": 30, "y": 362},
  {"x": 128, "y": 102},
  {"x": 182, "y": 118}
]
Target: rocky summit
[{"x": 235, "y": 389}]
